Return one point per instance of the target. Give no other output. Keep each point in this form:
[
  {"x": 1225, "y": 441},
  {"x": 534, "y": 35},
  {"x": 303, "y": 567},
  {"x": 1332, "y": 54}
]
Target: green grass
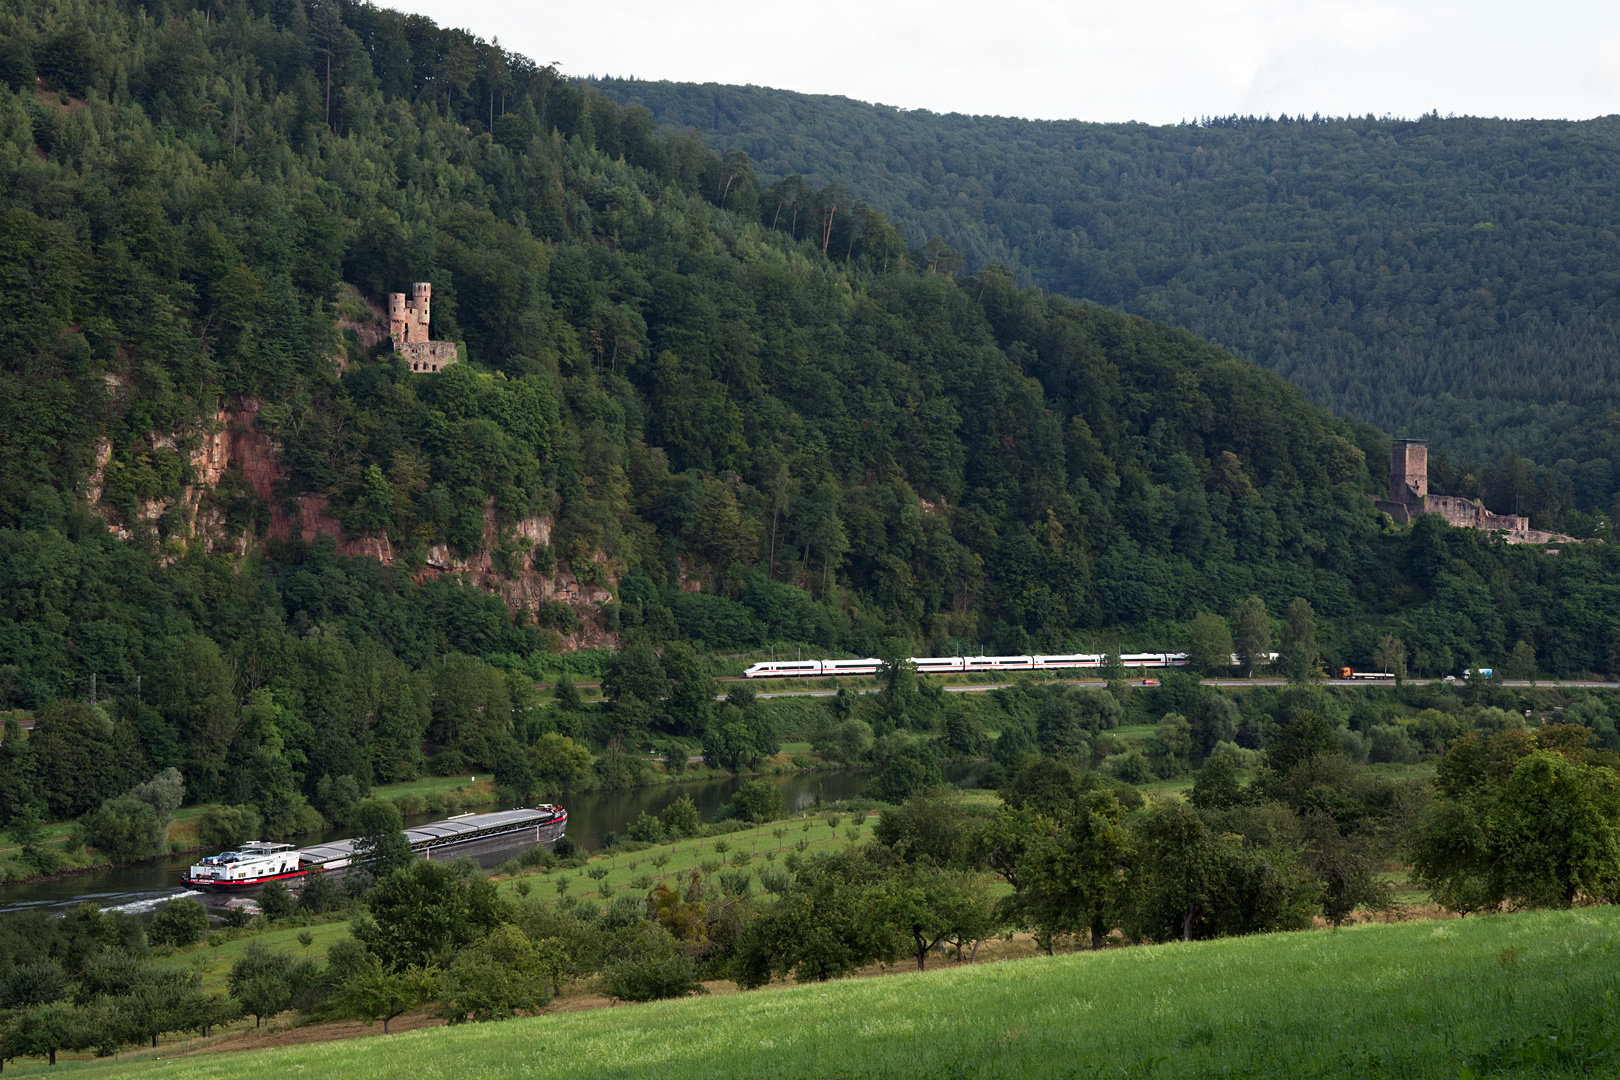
[
  {"x": 215, "y": 964},
  {"x": 1405, "y": 1000},
  {"x": 441, "y": 785},
  {"x": 625, "y": 869}
]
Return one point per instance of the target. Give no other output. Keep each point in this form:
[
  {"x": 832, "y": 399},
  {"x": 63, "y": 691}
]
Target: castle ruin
[
  {"x": 408, "y": 326},
  {"x": 1409, "y": 497}
]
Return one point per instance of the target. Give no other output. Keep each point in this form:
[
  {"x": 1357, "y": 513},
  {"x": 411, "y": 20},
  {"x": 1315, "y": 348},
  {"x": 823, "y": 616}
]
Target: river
[{"x": 591, "y": 817}]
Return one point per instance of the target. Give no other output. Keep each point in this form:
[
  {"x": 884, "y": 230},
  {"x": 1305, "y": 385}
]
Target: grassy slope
[{"x": 1412, "y": 999}]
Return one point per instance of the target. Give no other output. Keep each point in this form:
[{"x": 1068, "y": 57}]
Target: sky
[{"x": 1157, "y": 61}]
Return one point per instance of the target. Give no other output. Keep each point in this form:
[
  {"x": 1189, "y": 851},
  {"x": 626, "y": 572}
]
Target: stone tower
[
  {"x": 1409, "y": 473},
  {"x": 408, "y": 319},
  {"x": 408, "y": 322}
]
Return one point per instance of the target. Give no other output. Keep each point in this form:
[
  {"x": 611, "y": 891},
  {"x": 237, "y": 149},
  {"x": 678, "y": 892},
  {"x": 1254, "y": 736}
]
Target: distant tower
[
  {"x": 408, "y": 319},
  {"x": 421, "y": 293},
  {"x": 1409, "y": 473}
]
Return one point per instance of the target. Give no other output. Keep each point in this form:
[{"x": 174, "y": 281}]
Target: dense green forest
[
  {"x": 1445, "y": 278},
  {"x": 746, "y": 432}
]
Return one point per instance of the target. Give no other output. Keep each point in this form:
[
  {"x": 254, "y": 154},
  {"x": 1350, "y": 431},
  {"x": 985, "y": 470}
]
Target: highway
[{"x": 1237, "y": 684}]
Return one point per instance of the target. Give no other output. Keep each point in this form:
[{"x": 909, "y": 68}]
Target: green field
[{"x": 1417, "y": 999}]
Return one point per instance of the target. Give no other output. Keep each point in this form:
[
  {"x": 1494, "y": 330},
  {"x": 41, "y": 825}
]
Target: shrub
[
  {"x": 651, "y": 976},
  {"x": 275, "y": 901},
  {"x": 757, "y": 801},
  {"x": 648, "y": 829},
  {"x": 227, "y": 826},
  {"x": 1132, "y": 768},
  {"x": 736, "y": 882},
  {"x": 413, "y": 805},
  {"x": 179, "y": 922},
  {"x": 680, "y": 817},
  {"x": 910, "y": 772},
  {"x": 320, "y": 893},
  {"x": 125, "y": 828}
]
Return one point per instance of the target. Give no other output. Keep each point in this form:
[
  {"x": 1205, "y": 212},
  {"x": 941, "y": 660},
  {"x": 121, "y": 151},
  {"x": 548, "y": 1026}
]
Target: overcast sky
[{"x": 1153, "y": 60}]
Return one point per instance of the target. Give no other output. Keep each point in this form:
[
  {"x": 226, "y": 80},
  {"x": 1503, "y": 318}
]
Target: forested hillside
[
  {"x": 1451, "y": 279},
  {"x": 727, "y": 433}
]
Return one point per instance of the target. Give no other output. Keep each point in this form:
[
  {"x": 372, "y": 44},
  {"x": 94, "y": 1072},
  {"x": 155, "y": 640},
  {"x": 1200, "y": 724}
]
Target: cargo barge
[{"x": 249, "y": 868}]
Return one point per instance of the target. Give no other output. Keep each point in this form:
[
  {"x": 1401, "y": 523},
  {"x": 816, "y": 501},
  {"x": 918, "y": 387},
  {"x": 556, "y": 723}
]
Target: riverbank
[{"x": 418, "y": 800}]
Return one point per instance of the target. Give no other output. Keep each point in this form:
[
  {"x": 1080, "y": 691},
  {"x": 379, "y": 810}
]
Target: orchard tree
[
  {"x": 423, "y": 914},
  {"x": 929, "y": 905},
  {"x": 1526, "y": 819},
  {"x": 380, "y": 844},
  {"x": 1066, "y": 870}
]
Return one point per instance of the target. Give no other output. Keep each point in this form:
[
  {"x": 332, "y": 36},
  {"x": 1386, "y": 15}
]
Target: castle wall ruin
[{"x": 1409, "y": 497}]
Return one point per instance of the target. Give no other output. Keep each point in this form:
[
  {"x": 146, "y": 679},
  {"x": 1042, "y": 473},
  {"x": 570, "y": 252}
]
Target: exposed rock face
[{"x": 235, "y": 441}]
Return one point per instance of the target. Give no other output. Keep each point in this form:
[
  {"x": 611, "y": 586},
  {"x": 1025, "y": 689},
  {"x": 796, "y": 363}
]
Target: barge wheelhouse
[{"x": 247, "y": 869}]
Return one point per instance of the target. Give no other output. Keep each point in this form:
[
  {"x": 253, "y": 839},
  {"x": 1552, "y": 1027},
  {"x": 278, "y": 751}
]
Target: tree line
[{"x": 1443, "y": 278}]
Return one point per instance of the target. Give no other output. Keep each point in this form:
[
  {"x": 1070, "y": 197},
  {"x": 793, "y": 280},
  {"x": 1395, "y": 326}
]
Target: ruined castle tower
[
  {"x": 1409, "y": 497},
  {"x": 408, "y": 319},
  {"x": 1409, "y": 472},
  {"x": 408, "y": 322}
]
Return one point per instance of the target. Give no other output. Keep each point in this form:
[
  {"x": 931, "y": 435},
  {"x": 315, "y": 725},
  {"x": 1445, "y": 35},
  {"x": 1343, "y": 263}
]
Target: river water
[{"x": 591, "y": 817}]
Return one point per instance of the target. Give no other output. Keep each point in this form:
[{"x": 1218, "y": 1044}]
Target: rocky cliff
[{"x": 233, "y": 441}]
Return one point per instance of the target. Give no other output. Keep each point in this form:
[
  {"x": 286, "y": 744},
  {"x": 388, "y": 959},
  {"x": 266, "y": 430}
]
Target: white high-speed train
[{"x": 788, "y": 669}]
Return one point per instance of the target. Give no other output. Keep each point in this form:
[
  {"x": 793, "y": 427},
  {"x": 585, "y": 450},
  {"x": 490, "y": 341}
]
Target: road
[{"x": 1239, "y": 684}]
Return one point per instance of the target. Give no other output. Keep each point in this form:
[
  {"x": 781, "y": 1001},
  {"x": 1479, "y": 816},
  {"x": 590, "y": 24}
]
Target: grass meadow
[{"x": 1418, "y": 999}]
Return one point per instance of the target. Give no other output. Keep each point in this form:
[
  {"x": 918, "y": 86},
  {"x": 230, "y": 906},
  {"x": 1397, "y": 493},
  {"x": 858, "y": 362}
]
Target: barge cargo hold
[{"x": 249, "y": 870}]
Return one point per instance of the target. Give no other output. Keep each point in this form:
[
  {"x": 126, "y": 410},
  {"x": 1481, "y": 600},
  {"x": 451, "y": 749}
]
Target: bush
[
  {"x": 565, "y": 847},
  {"x": 651, "y": 977},
  {"x": 1132, "y": 768},
  {"x": 275, "y": 901},
  {"x": 910, "y": 772},
  {"x": 227, "y": 826},
  {"x": 124, "y": 829},
  {"x": 757, "y": 801},
  {"x": 647, "y": 829},
  {"x": 179, "y": 922},
  {"x": 680, "y": 817},
  {"x": 1392, "y": 745},
  {"x": 320, "y": 893}
]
